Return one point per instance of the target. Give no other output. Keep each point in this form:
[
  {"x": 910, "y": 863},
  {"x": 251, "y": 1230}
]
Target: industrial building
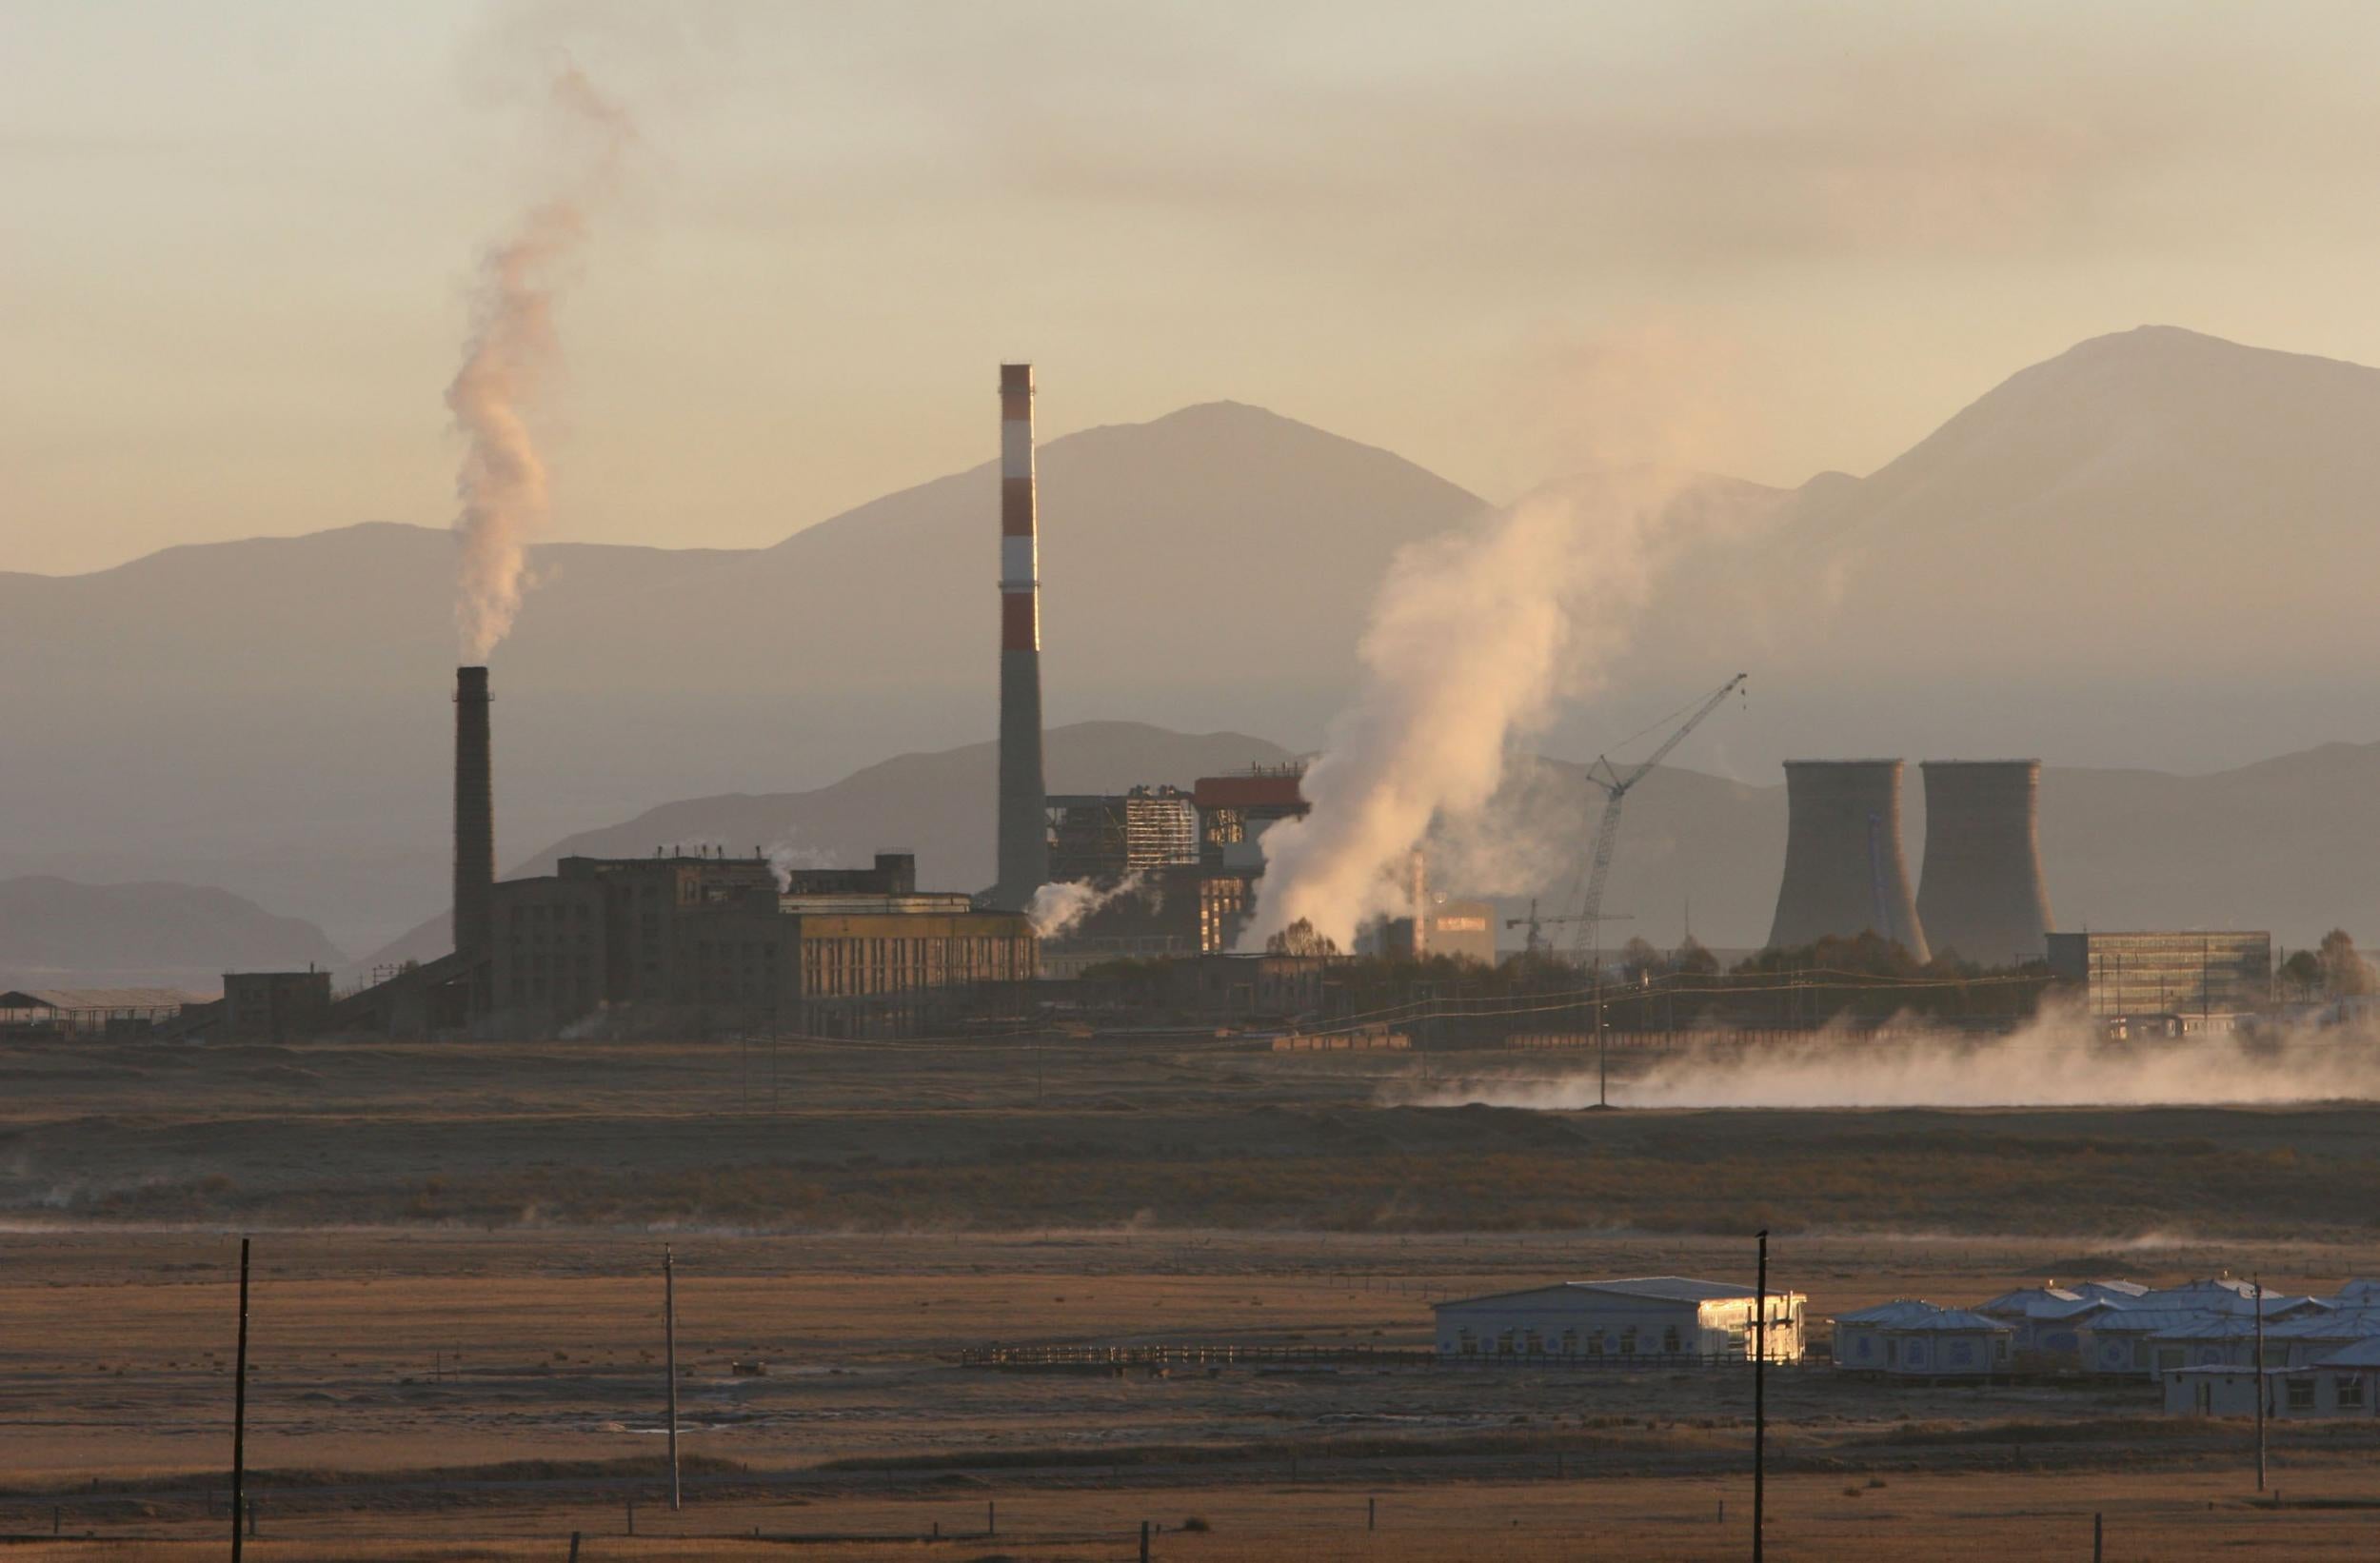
[
  {"x": 90, "y": 1012},
  {"x": 1844, "y": 870},
  {"x": 1648, "y": 1317},
  {"x": 711, "y": 941},
  {"x": 1980, "y": 894},
  {"x": 1102, "y": 838},
  {"x": 1464, "y": 930},
  {"x": 2150, "y": 983},
  {"x": 273, "y": 1006}
]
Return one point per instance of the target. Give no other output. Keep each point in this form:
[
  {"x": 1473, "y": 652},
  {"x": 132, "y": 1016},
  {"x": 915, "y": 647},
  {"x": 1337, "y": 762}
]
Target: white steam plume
[
  {"x": 2060, "y": 1061},
  {"x": 501, "y": 484},
  {"x": 1472, "y": 636},
  {"x": 1057, "y": 908}
]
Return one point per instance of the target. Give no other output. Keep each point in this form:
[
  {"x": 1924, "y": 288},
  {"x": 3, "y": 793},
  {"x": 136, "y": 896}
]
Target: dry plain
[{"x": 457, "y": 1330}]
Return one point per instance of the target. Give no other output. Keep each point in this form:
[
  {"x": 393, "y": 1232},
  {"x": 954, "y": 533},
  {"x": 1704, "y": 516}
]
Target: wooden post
[
  {"x": 1760, "y": 1397},
  {"x": 574, "y": 1546},
  {"x": 2260, "y": 1383},
  {"x": 669, "y": 1332},
  {"x": 991, "y": 1517},
  {"x": 1145, "y": 1541},
  {"x": 239, "y": 1410},
  {"x": 2098, "y": 1539},
  {"x": 1371, "y": 1514},
  {"x": 632, "y": 1514}
]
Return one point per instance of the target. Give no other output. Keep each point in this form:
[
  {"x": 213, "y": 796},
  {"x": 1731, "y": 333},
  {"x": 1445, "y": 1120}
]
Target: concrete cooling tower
[
  {"x": 1844, "y": 873},
  {"x": 1982, "y": 895}
]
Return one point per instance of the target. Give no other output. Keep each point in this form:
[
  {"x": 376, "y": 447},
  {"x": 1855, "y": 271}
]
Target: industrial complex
[{"x": 699, "y": 942}]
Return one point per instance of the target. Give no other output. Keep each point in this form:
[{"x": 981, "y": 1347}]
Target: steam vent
[
  {"x": 1982, "y": 895},
  {"x": 1023, "y": 818},
  {"x": 474, "y": 818},
  {"x": 1844, "y": 873}
]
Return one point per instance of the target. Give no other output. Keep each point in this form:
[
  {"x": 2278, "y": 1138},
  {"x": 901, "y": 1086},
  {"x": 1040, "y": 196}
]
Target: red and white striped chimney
[{"x": 1023, "y": 825}]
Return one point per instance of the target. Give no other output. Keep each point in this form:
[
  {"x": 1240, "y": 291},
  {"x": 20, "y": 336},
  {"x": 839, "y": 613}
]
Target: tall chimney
[
  {"x": 1844, "y": 873},
  {"x": 1982, "y": 895},
  {"x": 474, "y": 817},
  {"x": 1024, "y": 822}
]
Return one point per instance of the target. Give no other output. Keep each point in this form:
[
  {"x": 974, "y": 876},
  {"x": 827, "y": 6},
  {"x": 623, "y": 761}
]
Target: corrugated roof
[
  {"x": 1659, "y": 1288},
  {"x": 2342, "y": 1324},
  {"x": 1943, "y": 1320},
  {"x": 2210, "y": 1327},
  {"x": 2112, "y": 1290},
  {"x": 2364, "y": 1353},
  {"x": 86, "y": 999},
  {"x": 2031, "y": 1302},
  {"x": 1900, "y": 1314},
  {"x": 2148, "y": 1321}
]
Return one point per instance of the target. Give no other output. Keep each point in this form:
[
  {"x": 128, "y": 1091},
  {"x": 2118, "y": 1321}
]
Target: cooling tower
[
  {"x": 1982, "y": 894},
  {"x": 1844, "y": 873},
  {"x": 474, "y": 817},
  {"x": 1023, "y": 820}
]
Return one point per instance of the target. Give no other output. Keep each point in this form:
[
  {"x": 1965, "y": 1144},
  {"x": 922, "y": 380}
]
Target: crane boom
[{"x": 1615, "y": 787}]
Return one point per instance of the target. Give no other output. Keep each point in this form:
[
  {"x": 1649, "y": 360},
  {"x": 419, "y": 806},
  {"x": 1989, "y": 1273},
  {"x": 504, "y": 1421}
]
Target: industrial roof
[
  {"x": 1659, "y": 1288},
  {"x": 91, "y": 998}
]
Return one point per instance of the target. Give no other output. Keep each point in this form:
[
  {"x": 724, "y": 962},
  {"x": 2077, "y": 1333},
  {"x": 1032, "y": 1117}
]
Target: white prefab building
[
  {"x": 1909, "y": 1338},
  {"x": 2309, "y": 1337},
  {"x": 2346, "y": 1384},
  {"x": 1648, "y": 1317}
]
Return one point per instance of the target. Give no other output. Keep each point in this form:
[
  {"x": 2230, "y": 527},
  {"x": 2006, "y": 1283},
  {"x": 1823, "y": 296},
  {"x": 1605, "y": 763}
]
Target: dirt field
[{"x": 457, "y": 1296}]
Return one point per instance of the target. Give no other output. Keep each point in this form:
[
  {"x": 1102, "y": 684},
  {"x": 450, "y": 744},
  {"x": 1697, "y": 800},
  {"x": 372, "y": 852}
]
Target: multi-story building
[
  {"x": 2181, "y": 980},
  {"x": 714, "y": 940},
  {"x": 1105, "y": 837}
]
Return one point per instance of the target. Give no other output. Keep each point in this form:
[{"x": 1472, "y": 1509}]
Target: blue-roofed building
[{"x": 1608, "y": 1322}]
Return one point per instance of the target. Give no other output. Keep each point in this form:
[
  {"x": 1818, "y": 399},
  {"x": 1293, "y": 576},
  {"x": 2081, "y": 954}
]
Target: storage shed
[{"x": 1655, "y": 1317}]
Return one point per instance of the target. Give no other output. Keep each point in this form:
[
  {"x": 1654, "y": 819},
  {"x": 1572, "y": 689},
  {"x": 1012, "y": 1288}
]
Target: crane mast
[{"x": 1615, "y": 786}]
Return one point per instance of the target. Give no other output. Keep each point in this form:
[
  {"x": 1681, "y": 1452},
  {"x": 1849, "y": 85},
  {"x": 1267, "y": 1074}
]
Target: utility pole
[
  {"x": 239, "y": 1412},
  {"x": 1760, "y": 1397},
  {"x": 2260, "y": 1383},
  {"x": 669, "y": 1332}
]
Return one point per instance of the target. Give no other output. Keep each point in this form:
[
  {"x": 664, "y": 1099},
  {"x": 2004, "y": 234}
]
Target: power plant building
[
  {"x": 1104, "y": 838},
  {"x": 2189, "y": 980},
  {"x": 714, "y": 939},
  {"x": 1844, "y": 871},
  {"x": 1982, "y": 894}
]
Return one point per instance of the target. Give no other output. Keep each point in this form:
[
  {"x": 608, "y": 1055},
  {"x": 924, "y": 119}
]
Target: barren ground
[{"x": 456, "y": 1319}]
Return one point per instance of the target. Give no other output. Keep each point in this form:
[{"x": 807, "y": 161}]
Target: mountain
[
  {"x": 57, "y": 934},
  {"x": 2153, "y": 549},
  {"x": 938, "y": 805},
  {"x": 2151, "y": 552},
  {"x": 273, "y": 715}
]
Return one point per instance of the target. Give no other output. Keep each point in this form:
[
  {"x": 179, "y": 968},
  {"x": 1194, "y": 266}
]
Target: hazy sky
[{"x": 236, "y": 240}]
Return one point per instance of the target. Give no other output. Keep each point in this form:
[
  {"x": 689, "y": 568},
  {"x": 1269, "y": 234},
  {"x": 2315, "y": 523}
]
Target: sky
[{"x": 1507, "y": 241}]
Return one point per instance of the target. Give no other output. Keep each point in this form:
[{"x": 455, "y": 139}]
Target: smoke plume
[
  {"x": 1473, "y": 636},
  {"x": 2060, "y": 1061},
  {"x": 1057, "y": 908},
  {"x": 502, "y": 486}
]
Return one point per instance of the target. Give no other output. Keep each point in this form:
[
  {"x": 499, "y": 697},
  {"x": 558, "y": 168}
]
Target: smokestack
[
  {"x": 474, "y": 817},
  {"x": 1844, "y": 874},
  {"x": 1024, "y": 822},
  {"x": 1982, "y": 894}
]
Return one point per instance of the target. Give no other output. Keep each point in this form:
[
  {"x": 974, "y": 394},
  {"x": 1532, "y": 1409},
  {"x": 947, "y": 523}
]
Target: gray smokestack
[
  {"x": 1023, "y": 818},
  {"x": 1844, "y": 873},
  {"x": 474, "y": 817},
  {"x": 1982, "y": 895}
]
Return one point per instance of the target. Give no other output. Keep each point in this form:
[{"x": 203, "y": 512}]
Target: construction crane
[
  {"x": 1616, "y": 788},
  {"x": 1537, "y": 924}
]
